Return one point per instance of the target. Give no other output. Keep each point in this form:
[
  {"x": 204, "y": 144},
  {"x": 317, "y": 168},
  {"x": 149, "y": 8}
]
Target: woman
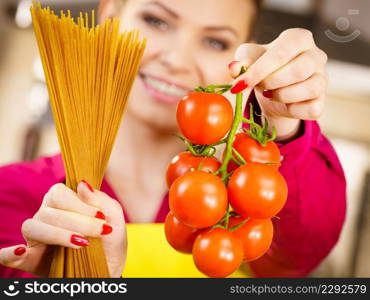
[{"x": 191, "y": 43}]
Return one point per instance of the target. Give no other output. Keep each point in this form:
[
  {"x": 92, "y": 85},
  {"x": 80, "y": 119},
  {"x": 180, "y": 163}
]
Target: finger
[
  {"x": 287, "y": 46},
  {"x": 307, "y": 110},
  {"x": 248, "y": 53},
  {"x": 245, "y": 55},
  {"x": 299, "y": 69},
  {"x": 311, "y": 88},
  {"x": 112, "y": 208},
  {"x": 62, "y": 197},
  {"x": 36, "y": 231},
  {"x": 72, "y": 221},
  {"x": 13, "y": 256},
  {"x": 88, "y": 195}
]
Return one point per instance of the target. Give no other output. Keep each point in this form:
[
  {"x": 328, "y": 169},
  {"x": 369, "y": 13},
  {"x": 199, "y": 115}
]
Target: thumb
[
  {"x": 14, "y": 256},
  {"x": 245, "y": 55},
  {"x": 33, "y": 259}
]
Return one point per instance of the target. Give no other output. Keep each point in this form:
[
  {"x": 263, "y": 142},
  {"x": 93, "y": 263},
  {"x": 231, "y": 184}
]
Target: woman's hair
[
  {"x": 258, "y": 7},
  {"x": 255, "y": 19}
]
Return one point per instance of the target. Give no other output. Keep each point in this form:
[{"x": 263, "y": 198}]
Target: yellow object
[{"x": 149, "y": 255}]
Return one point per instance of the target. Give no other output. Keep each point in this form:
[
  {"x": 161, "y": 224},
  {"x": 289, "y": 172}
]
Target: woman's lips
[{"x": 163, "y": 90}]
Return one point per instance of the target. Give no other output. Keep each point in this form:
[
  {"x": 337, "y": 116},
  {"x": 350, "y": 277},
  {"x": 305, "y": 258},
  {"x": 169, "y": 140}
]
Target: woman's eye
[
  {"x": 155, "y": 22},
  {"x": 216, "y": 44}
]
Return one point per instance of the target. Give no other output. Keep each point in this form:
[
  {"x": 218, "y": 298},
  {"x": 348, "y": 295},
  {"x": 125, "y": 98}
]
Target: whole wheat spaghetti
[{"x": 89, "y": 72}]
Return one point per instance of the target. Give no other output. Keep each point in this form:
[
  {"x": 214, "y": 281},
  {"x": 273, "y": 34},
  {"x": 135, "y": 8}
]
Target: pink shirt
[
  {"x": 308, "y": 228},
  {"x": 22, "y": 188}
]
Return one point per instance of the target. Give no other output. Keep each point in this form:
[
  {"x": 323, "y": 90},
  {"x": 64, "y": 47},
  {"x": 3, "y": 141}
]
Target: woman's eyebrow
[
  {"x": 164, "y": 7},
  {"x": 222, "y": 28}
]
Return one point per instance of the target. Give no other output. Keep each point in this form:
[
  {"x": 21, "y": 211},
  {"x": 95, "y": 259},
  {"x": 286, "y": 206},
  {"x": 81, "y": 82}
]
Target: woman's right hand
[{"x": 67, "y": 219}]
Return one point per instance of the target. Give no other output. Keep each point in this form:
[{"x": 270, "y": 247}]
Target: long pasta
[{"x": 89, "y": 72}]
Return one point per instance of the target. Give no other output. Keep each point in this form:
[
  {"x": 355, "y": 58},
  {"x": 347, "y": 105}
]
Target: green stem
[
  {"x": 190, "y": 148},
  {"x": 237, "y": 162},
  {"x": 227, "y": 217},
  {"x": 239, "y": 156},
  {"x": 258, "y": 132},
  {"x": 239, "y": 225},
  {"x": 219, "y": 89},
  {"x": 245, "y": 120},
  {"x": 230, "y": 138},
  {"x": 223, "y": 141}
]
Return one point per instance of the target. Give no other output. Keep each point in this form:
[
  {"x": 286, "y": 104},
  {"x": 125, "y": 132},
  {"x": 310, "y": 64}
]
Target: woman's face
[{"x": 190, "y": 43}]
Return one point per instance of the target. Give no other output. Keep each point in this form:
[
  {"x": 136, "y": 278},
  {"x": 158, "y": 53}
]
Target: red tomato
[
  {"x": 178, "y": 235},
  {"x": 204, "y": 118},
  {"x": 256, "y": 236},
  {"x": 253, "y": 151},
  {"x": 198, "y": 199},
  {"x": 184, "y": 161},
  {"x": 217, "y": 252},
  {"x": 255, "y": 190}
]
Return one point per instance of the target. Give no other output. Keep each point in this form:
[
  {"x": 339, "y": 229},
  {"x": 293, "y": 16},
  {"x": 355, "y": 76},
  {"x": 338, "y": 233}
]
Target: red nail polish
[
  {"x": 238, "y": 87},
  {"x": 106, "y": 229},
  {"x": 100, "y": 215},
  {"x": 19, "y": 250},
  {"x": 79, "y": 240},
  {"x": 88, "y": 185},
  {"x": 232, "y": 63},
  {"x": 267, "y": 94}
]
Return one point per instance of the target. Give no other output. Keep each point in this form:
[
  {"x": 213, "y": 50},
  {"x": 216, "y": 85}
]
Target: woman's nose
[{"x": 177, "y": 56}]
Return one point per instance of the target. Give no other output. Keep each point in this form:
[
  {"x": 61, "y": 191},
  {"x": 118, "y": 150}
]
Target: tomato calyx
[
  {"x": 200, "y": 150},
  {"x": 217, "y": 89},
  {"x": 239, "y": 225},
  {"x": 258, "y": 132},
  {"x": 224, "y": 222}
]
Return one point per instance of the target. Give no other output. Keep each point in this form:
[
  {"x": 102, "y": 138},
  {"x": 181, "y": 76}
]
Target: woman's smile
[{"x": 163, "y": 90}]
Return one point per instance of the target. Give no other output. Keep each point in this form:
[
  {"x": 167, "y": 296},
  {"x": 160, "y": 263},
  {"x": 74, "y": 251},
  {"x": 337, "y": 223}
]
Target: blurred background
[{"x": 341, "y": 28}]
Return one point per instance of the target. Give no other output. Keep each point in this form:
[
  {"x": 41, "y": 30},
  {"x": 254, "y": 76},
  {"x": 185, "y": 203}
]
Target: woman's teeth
[{"x": 165, "y": 88}]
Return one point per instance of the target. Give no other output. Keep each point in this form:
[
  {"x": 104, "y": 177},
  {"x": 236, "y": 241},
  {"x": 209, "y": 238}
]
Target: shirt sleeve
[
  {"x": 310, "y": 223},
  {"x": 22, "y": 186}
]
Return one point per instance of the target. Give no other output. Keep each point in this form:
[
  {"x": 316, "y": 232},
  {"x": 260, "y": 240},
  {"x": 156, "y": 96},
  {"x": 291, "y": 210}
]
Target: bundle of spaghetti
[{"x": 89, "y": 71}]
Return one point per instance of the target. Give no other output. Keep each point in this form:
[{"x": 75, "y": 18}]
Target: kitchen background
[{"x": 340, "y": 27}]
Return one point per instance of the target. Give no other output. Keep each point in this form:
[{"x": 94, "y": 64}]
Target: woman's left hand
[{"x": 288, "y": 77}]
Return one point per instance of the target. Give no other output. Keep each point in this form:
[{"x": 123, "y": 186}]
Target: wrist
[{"x": 116, "y": 272}]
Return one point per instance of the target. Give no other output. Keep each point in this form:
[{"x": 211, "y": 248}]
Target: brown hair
[{"x": 258, "y": 5}]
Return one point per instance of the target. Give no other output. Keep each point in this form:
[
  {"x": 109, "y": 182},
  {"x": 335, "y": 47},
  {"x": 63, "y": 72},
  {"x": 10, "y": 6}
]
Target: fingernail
[
  {"x": 88, "y": 185},
  {"x": 267, "y": 94},
  {"x": 100, "y": 215},
  {"x": 19, "y": 251},
  {"x": 233, "y": 63},
  {"x": 79, "y": 240},
  {"x": 235, "y": 68},
  {"x": 106, "y": 229},
  {"x": 238, "y": 87}
]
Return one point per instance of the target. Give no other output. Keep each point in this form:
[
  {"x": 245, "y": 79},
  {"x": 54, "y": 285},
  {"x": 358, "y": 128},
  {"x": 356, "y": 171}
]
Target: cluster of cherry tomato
[{"x": 220, "y": 211}]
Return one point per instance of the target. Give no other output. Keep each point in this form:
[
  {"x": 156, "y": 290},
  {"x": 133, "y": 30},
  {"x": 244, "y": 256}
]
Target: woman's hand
[
  {"x": 288, "y": 77},
  {"x": 67, "y": 219}
]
